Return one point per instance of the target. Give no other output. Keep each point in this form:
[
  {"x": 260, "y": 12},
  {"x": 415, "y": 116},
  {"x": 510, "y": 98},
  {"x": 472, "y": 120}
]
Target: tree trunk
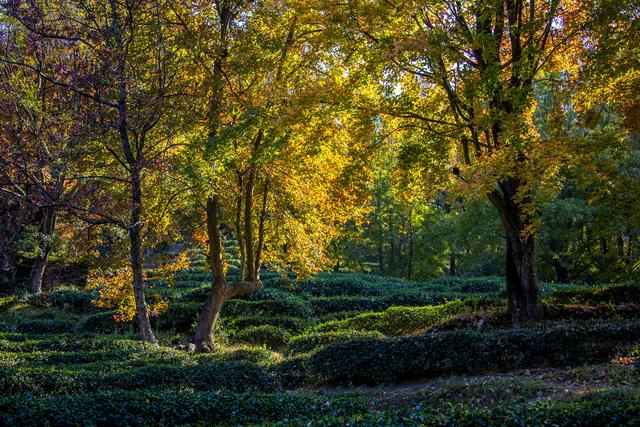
[
  {"x": 142, "y": 314},
  {"x": 39, "y": 264},
  {"x": 523, "y": 289},
  {"x": 452, "y": 264},
  {"x": 562, "y": 274},
  {"x": 410, "y": 260},
  {"x": 205, "y": 328}
]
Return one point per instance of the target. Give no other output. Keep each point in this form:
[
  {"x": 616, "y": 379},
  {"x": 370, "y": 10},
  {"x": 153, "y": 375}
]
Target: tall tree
[
  {"x": 465, "y": 71},
  {"x": 126, "y": 76}
]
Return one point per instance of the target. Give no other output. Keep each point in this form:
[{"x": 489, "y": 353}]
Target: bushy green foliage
[
  {"x": 289, "y": 306},
  {"x": 374, "y": 361},
  {"x": 77, "y": 301},
  {"x": 618, "y": 407},
  {"x": 290, "y": 324},
  {"x": 236, "y": 376},
  {"x": 151, "y": 407},
  {"x": 313, "y": 340},
  {"x": 396, "y": 320},
  {"x": 340, "y": 284},
  {"x": 100, "y": 322},
  {"x": 180, "y": 316},
  {"x": 271, "y": 336},
  {"x": 628, "y": 293}
]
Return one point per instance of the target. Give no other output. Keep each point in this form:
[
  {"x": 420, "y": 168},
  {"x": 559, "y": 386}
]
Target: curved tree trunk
[{"x": 39, "y": 264}]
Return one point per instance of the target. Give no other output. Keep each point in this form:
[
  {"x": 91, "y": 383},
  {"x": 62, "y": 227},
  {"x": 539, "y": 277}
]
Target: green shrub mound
[
  {"x": 610, "y": 408},
  {"x": 376, "y": 361},
  {"x": 143, "y": 408},
  {"x": 180, "y": 316},
  {"x": 313, "y": 340},
  {"x": 290, "y": 306},
  {"x": 77, "y": 301},
  {"x": 627, "y": 293},
  {"x": 237, "y": 376},
  {"x": 340, "y": 284},
  {"x": 41, "y": 326},
  {"x": 397, "y": 320},
  {"x": 18, "y": 342},
  {"x": 290, "y": 324},
  {"x": 271, "y": 336}
]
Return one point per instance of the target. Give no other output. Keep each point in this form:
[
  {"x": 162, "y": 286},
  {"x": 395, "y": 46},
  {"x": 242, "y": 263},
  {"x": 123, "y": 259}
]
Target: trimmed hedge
[
  {"x": 618, "y": 407},
  {"x": 375, "y": 361},
  {"x": 271, "y": 336},
  {"x": 313, "y": 340},
  {"x": 340, "y": 284},
  {"x": 609, "y": 408},
  {"x": 289, "y": 306},
  {"x": 73, "y": 300},
  {"x": 237, "y": 376},
  {"x": 397, "y": 320},
  {"x": 624, "y": 293},
  {"x": 143, "y": 408},
  {"x": 290, "y": 324}
]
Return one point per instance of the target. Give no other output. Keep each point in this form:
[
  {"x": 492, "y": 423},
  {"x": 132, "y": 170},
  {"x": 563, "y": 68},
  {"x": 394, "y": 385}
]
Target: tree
[
  {"x": 264, "y": 149},
  {"x": 125, "y": 76},
  {"x": 464, "y": 71}
]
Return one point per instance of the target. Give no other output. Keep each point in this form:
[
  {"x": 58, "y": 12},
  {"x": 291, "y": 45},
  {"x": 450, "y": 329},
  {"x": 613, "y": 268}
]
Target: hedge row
[
  {"x": 18, "y": 342},
  {"x": 143, "y": 408},
  {"x": 610, "y": 408},
  {"x": 397, "y": 320},
  {"x": 237, "y": 376},
  {"x": 624, "y": 293},
  {"x": 375, "y": 361},
  {"x": 212, "y": 408},
  {"x": 313, "y": 340}
]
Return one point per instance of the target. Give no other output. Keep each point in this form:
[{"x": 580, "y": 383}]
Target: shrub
[
  {"x": 290, "y": 306},
  {"x": 396, "y": 320},
  {"x": 340, "y": 284},
  {"x": 143, "y": 408},
  {"x": 73, "y": 300},
  {"x": 313, "y": 340},
  {"x": 58, "y": 325},
  {"x": 271, "y": 336},
  {"x": 374, "y": 361},
  {"x": 625, "y": 293},
  {"x": 617, "y": 407},
  {"x": 290, "y": 324},
  {"x": 238, "y": 376},
  {"x": 180, "y": 316},
  {"x": 100, "y": 322}
]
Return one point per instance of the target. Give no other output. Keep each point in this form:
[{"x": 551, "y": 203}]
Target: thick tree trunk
[
  {"x": 523, "y": 289},
  {"x": 217, "y": 295},
  {"x": 205, "y": 328},
  {"x": 39, "y": 264},
  {"x": 142, "y": 314}
]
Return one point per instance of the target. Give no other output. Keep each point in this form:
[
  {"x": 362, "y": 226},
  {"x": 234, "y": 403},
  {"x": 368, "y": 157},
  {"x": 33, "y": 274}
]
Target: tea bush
[
  {"x": 271, "y": 336},
  {"x": 374, "y": 360},
  {"x": 396, "y": 320}
]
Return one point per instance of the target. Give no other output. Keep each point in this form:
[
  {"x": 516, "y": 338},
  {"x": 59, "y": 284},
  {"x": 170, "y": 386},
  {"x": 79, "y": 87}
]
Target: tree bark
[
  {"x": 144, "y": 324},
  {"x": 39, "y": 264},
  {"x": 452, "y": 264},
  {"x": 523, "y": 289},
  {"x": 220, "y": 291}
]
